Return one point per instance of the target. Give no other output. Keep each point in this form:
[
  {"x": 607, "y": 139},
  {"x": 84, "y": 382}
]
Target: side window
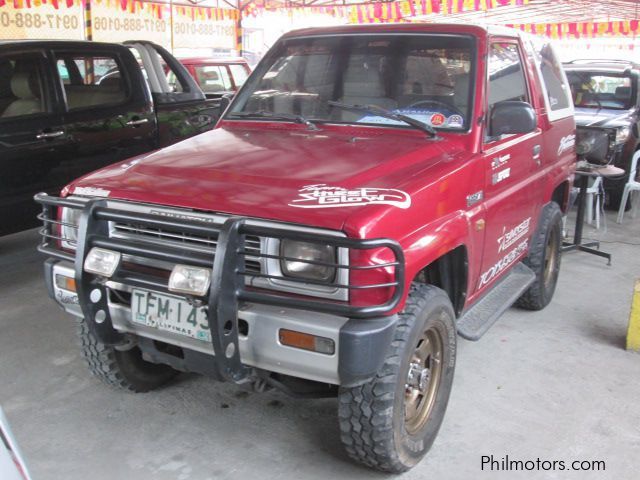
[
  {"x": 212, "y": 78},
  {"x": 21, "y": 87},
  {"x": 91, "y": 80},
  {"x": 239, "y": 73},
  {"x": 554, "y": 81},
  {"x": 506, "y": 75}
]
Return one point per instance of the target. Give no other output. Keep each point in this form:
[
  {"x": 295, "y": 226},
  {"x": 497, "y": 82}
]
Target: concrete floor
[{"x": 554, "y": 385}]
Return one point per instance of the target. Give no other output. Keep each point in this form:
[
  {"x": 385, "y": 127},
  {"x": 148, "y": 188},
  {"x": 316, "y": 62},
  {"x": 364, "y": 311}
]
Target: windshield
[
  {"x": 425, "y": 77},
  {"x": 601, "y": 90}
]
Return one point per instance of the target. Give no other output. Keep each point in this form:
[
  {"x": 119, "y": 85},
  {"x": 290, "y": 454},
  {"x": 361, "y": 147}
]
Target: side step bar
[{"x": 483, "y": 314}]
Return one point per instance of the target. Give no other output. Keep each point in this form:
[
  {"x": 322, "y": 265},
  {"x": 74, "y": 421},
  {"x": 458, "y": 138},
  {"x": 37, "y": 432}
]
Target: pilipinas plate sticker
[
  {"x": 91, "y": 191},
  {"x": 324, "y": 196}
]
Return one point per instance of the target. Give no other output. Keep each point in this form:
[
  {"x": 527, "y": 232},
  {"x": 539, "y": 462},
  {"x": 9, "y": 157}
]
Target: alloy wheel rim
[
  {"x": 423, "y": 380},
  {"x": 551, "y": 258}
]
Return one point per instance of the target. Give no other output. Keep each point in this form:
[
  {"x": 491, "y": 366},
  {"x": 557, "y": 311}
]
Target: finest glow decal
[{"x": 324, "y": 196}]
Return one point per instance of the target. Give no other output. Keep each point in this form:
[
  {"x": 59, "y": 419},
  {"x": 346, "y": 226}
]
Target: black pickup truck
[{"x": 70, "y": 107}]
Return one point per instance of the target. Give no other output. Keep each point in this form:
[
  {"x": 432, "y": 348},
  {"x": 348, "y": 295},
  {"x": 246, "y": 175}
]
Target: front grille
[
  {"x": 186, "y": 241},
  {"x": 153, "y": 242}
]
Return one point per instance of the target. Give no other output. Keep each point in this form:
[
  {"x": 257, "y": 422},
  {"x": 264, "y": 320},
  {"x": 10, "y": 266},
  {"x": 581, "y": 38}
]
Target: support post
[
  {"x": 633, "y": 333},
  {"x": 88, "y": 28}
]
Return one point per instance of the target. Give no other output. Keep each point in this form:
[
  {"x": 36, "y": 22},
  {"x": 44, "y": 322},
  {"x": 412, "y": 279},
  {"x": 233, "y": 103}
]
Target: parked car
[
  {"x": 369, "y": 192},
  {"x": 607, "y": 106},
  {"x": 217, "y": 76},
  {"x": 67, "y": 108},
  {"x": 12, "y": 465}
]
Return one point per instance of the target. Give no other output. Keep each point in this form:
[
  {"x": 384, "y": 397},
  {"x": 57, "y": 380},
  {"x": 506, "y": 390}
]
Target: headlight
[
  {"x": 622, "y": 134},
  {"x": 307, "y": 252},
  {"x": 70, "y": 216}
]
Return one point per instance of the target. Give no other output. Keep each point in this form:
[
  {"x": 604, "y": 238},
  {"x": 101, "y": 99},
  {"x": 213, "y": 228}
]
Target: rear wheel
[
  {"x": 390, "y": 422},
  {"x": 544, "y": 259},
  {"x": 125, "y": 370}
]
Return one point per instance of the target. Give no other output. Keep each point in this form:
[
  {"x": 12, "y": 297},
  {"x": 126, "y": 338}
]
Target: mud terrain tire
[
  {"x": 125, "y": 370},
  {"x": 374, "y": 425}
]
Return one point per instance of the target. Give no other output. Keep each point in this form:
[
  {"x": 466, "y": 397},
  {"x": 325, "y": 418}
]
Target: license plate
[{"x": 171, "y": 314}]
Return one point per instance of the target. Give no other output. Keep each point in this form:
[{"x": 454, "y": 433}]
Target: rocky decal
[
  {"x": 503, "y": 263},
  {"x": 324, "y": 196},
  {"x": 510, "y": 237},
  {"x": 474, "y": 198},
  {"x": 566, "y": 143}
]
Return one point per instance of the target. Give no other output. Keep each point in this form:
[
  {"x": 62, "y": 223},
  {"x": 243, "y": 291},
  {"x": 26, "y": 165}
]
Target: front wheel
[
  {"x": 124, "y": 370},
  {"x": 390, "y": 422}
]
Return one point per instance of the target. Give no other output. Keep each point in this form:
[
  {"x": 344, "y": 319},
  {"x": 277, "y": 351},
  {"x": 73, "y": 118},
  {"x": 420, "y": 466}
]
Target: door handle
[
  {"x": 136, "y": 122},
  {"x": 50, "y": 135},
  {"x": 536, "y": 154}
]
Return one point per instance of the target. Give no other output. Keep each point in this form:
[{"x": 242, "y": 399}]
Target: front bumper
[{"x": 361, "y": 334}]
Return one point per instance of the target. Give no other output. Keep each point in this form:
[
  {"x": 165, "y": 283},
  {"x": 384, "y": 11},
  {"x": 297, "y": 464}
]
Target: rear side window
[
  {"x": 213, "y": 78},
  {"x": 554, "y": 81},
  {"x": 239, "y": 73},
  {"x": 506, "y": 75},
  {"x": 91, "y": 80},
  {"x": 22, "y": 87}
]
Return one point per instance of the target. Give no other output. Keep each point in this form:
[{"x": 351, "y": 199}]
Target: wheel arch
[
  {"x": 560, "y": 195},
  {"x": 449, "y": 272},
  {"x": 439, "y": 255}
]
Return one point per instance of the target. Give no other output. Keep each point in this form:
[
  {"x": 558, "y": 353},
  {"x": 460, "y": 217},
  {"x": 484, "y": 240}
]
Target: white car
[{"x": 12, "y": 466}]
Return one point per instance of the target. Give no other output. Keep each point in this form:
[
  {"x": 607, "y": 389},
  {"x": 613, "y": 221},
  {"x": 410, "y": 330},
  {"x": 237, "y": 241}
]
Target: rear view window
[
  {"x": 21, "y": 86},
  {"x": 558, "y": 98},
  {"x": 90, "y": 80}
]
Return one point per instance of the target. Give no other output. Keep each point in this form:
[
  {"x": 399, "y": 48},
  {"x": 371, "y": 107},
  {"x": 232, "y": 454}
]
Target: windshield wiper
[
  {"x": 276, "y": 116},
  {"x": 383, "y": 112}
]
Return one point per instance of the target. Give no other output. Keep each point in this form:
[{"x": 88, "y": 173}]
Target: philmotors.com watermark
[{"x": 507, "y": 464}]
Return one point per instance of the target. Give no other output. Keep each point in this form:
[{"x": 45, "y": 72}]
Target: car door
[
  {"x": 511, "y": 163},
  {"x": 32, "y": 135},
  {"x": 108, "y": 110},
  {"x": 182, "y": 109}
]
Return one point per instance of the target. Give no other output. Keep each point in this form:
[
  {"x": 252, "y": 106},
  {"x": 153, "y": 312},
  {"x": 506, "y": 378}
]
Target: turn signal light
[
  {"x": 306, "y": 341},
  {"x": 66, "y": 283}
]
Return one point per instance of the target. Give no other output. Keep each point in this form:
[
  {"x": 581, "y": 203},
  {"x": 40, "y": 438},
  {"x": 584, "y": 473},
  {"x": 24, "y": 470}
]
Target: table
[{"x": 583, "y": 183}]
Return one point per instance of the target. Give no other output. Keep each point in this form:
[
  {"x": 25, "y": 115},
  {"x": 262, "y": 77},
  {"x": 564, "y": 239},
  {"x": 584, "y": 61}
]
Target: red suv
[{"x": 370, "y": 193}]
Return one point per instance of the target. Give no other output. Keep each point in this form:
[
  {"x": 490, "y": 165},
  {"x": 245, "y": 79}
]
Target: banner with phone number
[
  {"x": 41, "y": 19},
  {"x": 118, "y": 21},
  {"x": 204, "y": 27}
]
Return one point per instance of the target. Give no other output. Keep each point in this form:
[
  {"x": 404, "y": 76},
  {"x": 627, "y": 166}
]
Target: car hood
[
  {"x": 593, "y": 117},
  {"x": 279, "y": 171}
]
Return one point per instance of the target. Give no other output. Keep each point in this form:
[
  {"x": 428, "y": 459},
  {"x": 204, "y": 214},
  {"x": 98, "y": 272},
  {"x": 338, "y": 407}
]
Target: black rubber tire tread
[
  {"x": 365, "y": 412},
  {"x": 537, "y": 296},
  {"x": 124, "y": 370}
]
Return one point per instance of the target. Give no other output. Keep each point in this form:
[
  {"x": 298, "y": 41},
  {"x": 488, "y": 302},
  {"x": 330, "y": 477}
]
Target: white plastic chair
[
  {"x": 595, "y": 190},
  {"x": 631, "y": 186}
]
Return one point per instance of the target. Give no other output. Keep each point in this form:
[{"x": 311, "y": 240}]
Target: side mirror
[
  {"x": 225, "y": 100},
  {"x": 511, "y": 117}
]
